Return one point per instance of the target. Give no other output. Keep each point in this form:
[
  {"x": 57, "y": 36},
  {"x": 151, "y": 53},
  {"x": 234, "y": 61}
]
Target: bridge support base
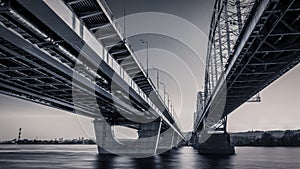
[
  {"x": 166, "y": 141},
  {"x": 195, "y": 141},
  {"x": 144, "y": 146},
  {"x": 217, "y": 144}
]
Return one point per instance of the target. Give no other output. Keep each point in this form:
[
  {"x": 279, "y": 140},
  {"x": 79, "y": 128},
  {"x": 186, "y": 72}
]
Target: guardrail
[{"x": 121, "y": 33}]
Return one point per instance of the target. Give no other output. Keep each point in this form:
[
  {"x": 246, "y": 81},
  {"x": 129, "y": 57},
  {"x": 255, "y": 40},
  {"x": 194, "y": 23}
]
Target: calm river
[{"x": 85, "y": 156}]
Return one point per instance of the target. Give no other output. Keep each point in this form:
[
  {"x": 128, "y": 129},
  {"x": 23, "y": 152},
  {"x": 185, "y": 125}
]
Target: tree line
[{"x": 289, "y": 138}]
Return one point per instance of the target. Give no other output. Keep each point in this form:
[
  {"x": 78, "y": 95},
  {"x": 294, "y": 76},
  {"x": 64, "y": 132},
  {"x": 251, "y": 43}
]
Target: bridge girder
[
  {"x": 251, "y": 44},
  {"x": 39, "y": 61}
]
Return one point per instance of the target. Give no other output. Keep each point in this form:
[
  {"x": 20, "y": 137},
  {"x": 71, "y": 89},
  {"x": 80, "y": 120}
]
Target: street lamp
[
  {"x": 147, "y": 45},
  {"x": 168, "y": 100},
  {"x": 164, "y": 90},
  {"x": 157, "y": 78},
  {"x": 165, "y": 93},
  {"x": 173, "y": 112}
]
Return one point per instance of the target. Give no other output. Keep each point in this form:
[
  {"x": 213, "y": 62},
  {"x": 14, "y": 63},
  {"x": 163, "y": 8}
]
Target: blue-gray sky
[{"x": 181, "y": 72}]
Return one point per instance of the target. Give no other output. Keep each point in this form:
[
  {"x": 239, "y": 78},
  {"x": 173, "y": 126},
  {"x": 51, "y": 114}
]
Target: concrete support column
[
  {"x": 144, "y": 146},
  {"x": 217, "y": 144},
  {"x": 195, "y": 140},
  {"x": 149, "y": 136},
  {"x": 166, "y": 141},
  {"x": 178, "y": 141},
  {"x": 175, "y": 140}
]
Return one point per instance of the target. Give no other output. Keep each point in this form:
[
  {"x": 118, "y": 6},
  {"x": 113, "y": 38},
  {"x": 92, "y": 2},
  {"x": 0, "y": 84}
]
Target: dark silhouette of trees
[
  {"x": 289, "y": 138},
  {"x": 267, "y": 139}
]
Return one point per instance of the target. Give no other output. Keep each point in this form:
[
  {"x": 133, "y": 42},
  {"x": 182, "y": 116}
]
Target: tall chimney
[{"x": 20, "y": 132}]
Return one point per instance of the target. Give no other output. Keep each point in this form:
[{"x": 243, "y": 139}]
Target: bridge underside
[
  {"x": 268, "y": 52},
  {"x": 267, "y": 47},
  {"x": 262, "y": 49},
  {"x": 50, "y": 56}
]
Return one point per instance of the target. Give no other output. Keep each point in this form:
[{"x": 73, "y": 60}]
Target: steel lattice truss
[
  {"x": 228, "y": 20},
  {"x": 251, "y": 44}
]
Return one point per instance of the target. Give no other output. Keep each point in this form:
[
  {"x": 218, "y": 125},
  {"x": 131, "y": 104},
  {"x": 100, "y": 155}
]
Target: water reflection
[
  {"x": 182, "y": 158},
  {"x": 85, "y": 156},
  {"x": 216, "y": 161},
  {"x": 115, "y": 162}
]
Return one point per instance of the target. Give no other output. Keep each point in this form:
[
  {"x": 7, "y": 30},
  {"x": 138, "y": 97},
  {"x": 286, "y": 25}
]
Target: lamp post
[
  {"x": 168, "y": 100},
  {"x": 164, "y": 90},
  {"x": 165, "y": 93},
  {"x": 147, "y": 59},
  {"x": 173, "y": 112},
  {"x": 157, "y": 78}
]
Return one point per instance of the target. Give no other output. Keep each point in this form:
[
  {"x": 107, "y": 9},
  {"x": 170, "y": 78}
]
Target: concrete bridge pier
[
  {"x": 195, "y": 140},
  {"x": 216, "y": 142},
  {"x": 145, "y": 146},
  {"x": 176, "y": 141},
  {"x": 166, "y": 141}
]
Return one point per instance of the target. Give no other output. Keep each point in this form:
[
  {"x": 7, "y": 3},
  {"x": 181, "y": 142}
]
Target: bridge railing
[
  {"x": 228, "y": 20},
  {"x": 107, "y": 58},
  {"x": 122, "y": 34},
  {"x": 221, "y": 85},
  {"x": 116, "y": 66}
]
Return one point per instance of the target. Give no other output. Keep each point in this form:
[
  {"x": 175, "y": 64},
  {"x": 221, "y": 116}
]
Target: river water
[{"x": 85, "y": 156}]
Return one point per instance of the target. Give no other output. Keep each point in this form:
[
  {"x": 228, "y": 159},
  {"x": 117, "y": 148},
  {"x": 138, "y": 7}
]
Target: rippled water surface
[{"x": 85, "y": 156}]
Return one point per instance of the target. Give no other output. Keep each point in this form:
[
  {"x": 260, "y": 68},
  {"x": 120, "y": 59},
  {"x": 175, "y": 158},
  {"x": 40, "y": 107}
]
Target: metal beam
[
  {"x": 28, "y": 77},
  {"x": 118, "y": 52},
  {"x": 46, "y": 84},
  {"x": 279, "y": 50},
  {"x": 257, "y": 73},
  {"x": 98, "y": 26},
  {"x": 107, "y": 36},
  {"x": 19, "y": 69},
  {"x": 72, "y": 2},
  {"x": 90, "y": 14},
  {"x": 267, "y": 63},
  {"x": 113, "y": 45}
]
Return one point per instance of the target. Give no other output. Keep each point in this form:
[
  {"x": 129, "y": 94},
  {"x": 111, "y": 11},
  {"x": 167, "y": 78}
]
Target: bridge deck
[
  {"x": 267, "y": 47},
  {"x": 49, "y": 61},
  {"x": 265, "y": 54},
  {"x": 97, "y": 17}
]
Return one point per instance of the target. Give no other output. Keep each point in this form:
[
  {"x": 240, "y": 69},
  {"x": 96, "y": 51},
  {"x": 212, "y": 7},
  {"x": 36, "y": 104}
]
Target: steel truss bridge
[
  {"x": 251, "y": 44},
  {"x": 69, "y": 54}
]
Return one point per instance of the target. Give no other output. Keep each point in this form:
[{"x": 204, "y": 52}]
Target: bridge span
[
  {"x": 251, "y": 44},
  {"x": 71, "y": 55}
]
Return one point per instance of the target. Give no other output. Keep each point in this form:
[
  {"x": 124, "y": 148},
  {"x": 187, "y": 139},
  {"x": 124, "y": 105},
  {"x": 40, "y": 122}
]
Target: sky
[{"x": 177, "y": 35}]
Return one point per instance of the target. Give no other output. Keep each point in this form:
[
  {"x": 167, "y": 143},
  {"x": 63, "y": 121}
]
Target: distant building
[{"x": 61, "y": 140}]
